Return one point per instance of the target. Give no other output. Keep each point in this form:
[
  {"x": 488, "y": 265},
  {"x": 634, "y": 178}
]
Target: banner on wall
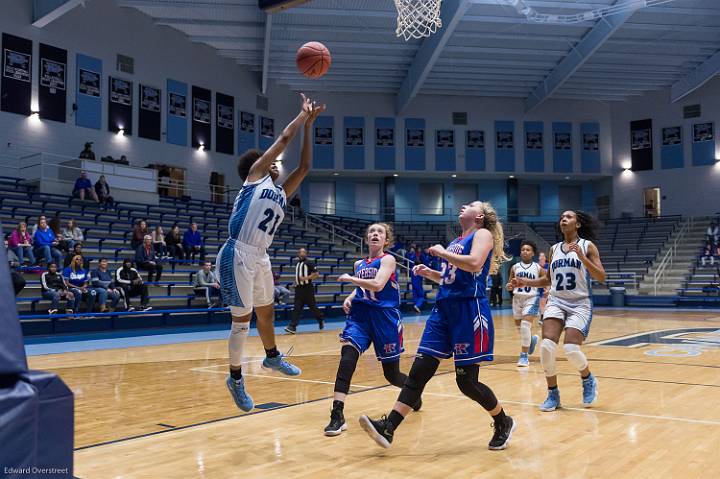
[
  {"x": 445, "y": 138},
  {"x": 415, "y": 137},
  {"x": 267, "y": 127},
  {"x": 225, "y": 116},
  {"x": 563, "y": 141},
  {"x": 354, "y": 137},
  {"x": 323, "y": 135},
  {"x": 703, "y": 132},
  {"x": 384, "y": 137},
  {"x": 121, "y": 91},
  {"x": 177, "y": 105},
  {"x": 533, "y": 140},
  {"x": 504, "y": 140},
  {"x": 591, "y": 141},
  {"x": 672, "y": 135},
  {"x": 150, "y": 98},
  {"x": 89, "y": 83},
  {"x": 17, "y": 65},
  {"x": 247, "y": 122},
  {"x": 475, "y": 139},
  {"x": 641, "y": 139},
  {"x": 52, "y": 74},
  {"x": 201, "y": 110}
]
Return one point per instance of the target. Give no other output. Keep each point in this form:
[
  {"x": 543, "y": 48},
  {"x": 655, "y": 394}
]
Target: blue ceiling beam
[
  {"x": 46, "y": 11},
  {"x": 696, "y": 78},
  {"x": 579, "y": 54},
  {"x": 430, "y": 50}
]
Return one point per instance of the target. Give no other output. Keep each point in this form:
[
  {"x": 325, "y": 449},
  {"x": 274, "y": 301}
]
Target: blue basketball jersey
[
  {"x": 457, "y": 283},
  {"x": 388, "y": 297}
]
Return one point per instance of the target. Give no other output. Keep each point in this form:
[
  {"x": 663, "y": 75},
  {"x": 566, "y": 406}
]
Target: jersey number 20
[
  {"x": 269, "y": 215},
  {"x": 569, "y": 281}
]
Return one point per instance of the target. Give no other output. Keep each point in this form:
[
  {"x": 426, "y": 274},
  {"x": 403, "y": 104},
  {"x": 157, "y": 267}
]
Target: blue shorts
[
  {"x": 460, "y": 327},
  {"x": 380, "y": 326}
]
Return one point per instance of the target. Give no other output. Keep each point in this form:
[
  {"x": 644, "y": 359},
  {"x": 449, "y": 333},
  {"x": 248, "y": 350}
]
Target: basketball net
[{"x": 417, "y": 18}]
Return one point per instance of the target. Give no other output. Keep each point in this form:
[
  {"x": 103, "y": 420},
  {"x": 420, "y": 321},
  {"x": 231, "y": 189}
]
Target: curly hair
[
  {"x": 494, "y": 226},
  {"x": 588, "y": 225},
  {"x": 246, "y": 161},
  {"x": 530, "y": 244}
]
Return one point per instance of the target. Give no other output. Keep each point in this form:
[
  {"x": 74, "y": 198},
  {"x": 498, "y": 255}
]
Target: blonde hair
[
  {"x": 491, "y": 223},
  {"x": 74, "y": 259},
  {"x": 389, "y": 235}
]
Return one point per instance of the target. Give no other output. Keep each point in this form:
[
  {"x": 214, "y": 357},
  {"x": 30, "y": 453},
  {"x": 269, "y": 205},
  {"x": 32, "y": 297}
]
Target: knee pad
[
  {"x": 422, "y": 370},
  {"x": 467, "y": 380},
  {"x": 525, "y": 334},
  {"x": 575, "y": 356},
  {"x": 348, "y": 361},
  {"x": 391, "y": 371},
  {"x": 548, "y": 349}
]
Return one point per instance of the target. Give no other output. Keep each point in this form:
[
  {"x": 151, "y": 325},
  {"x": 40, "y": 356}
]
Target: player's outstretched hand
[
  {"x": 437, "y": 250},
  {"x": 509, "y": 286},
  {"x": 315, "y": 111},
  {"x": 421, "y": 270},
  {"x": 306, "y": 104},
  {"x": 347, "y": 304},
  {"x": 344, "y": 278}
]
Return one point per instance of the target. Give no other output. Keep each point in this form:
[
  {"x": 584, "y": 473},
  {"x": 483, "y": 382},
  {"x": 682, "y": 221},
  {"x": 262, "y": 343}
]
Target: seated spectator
[
  {"x": 46, "y": 244},
  {"x": 708, "y": 253},
  {"x": 87, "y": 153},
  {"x": 83, "y": 186},
  {"x": 20, "y": 243},
  {"x": 399, "y": 247},
  {"x": 147, "y": 260},
  {"x": 206, "y": 284},
  {"x": 76, "y": 251},
  {"x": 34, "y": 227},
  {"x": 72, "y": 234},
  {"x": 139, "y": 232},
  {"x": 102, "y": 189},
  {"x": 281, "y": 293},
  {"x": 158, "y": 241},
  {"x": 78, "y": 282},
  {"x": 103, "y": 282},
  {"x": 193, "y": 243},
  {"x": 54, "y": 289},
  {"x": 11, "y": 256},
  {"x": 131, "y": 284},
  {"x": 173, "y": 241},
  {"x": 713, "y": 233}
]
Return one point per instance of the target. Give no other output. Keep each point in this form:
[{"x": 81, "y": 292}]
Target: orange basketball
[{"x": 313, "y": 59}]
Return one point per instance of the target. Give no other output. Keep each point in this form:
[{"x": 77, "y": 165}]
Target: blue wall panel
[
  {"x": 384, "y": 155},
  {"x": 475, "y": 157},
  {"x": 414, "y": 155},
  {"x": 324, "y": 155},
  {"x": 354, "y": 155},
  {"x": 562, "y": 158},
  {"x": 89, "y": 100},
  {"x": 589, "y": 158},
  {"x": 505, "y": 157},
  {"x": 703, "y": 152},
  {"x": 246, "y": 136},
  {"x": 176, "y": 130},
  {"x": 445, "y": 155},
  {"x": 534, "y": 157}
]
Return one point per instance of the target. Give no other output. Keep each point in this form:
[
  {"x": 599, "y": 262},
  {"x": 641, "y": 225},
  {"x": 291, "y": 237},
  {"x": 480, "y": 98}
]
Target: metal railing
[
  {"x": 629, "y": 280},
  {"x": 669, "y": 258}
]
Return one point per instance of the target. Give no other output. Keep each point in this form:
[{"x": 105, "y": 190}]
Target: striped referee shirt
[{"x": 303, "y": 268}]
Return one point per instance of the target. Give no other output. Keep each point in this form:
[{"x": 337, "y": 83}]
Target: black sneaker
[
  {"x": 502, "y": 435},
  {"x": 290, "y": 329},
  {"x": 337, "y": 423},
  {"x": 381, "y": 430},
  {"x": 417, "y": 405}
]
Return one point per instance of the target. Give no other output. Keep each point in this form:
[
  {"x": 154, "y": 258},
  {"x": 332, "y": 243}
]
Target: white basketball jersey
[
  {"x": 257, "y": 213},
  {"x": 570, "y": 278},
  {"x": 530, "y": 271}
]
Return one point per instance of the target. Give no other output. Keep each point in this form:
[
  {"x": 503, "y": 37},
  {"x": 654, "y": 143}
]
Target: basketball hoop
[{"x": 417, "y": 18}]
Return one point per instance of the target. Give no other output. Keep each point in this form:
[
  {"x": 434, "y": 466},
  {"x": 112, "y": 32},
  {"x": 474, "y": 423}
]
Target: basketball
[{"x": 313, "y": 59}]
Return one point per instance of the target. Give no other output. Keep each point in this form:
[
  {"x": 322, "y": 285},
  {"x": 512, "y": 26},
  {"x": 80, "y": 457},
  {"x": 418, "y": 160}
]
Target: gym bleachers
[{"x": 702, "y": 284}]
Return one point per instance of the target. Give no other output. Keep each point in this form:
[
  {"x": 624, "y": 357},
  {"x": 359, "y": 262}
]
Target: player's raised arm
[
  {"x": 262, "y": 165},
  {"x": 473, "y": 263},
  {"x": 298, "y": 174}
]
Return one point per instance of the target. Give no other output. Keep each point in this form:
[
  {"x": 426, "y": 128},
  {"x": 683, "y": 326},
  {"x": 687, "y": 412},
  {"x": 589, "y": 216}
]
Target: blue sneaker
[
  {"x": 533, "y": 344},
  {"x": 552, "y": 402},
  {"x": 237, "y": 390},
  {"x": 523, "y": 361},
  {"x": 590, "y": 390},
  {"x": 279, "y": 363}
]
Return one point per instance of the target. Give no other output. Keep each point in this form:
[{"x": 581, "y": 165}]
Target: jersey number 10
[{"x": 269, "y": 215}]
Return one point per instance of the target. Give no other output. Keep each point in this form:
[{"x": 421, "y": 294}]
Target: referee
[{"x": 305, "y": 273}]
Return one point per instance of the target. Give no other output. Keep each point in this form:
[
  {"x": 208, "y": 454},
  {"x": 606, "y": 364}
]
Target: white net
[{"x": 417, "y": 18}]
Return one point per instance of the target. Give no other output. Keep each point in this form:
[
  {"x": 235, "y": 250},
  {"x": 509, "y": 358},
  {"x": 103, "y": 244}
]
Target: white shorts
[
  {"x": 525, "y": 306},
  {"x": 576, "y": 315},
  {"x": 245, "y": 276}
]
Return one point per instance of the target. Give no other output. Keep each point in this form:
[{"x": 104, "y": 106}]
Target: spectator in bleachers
[
  {"x": 139, "y": 232},
  {"x": 708, "y": 253},
  {"x": 173, "y": 241},
  {"x": 103, "y": 282},
  {"x": 55, "y": 224},
  {"x": 206, "y": 284},
  {"x": 54, "y": 289},
  {"x": 295, "y": 202},
  {"x": 12, "y": 257},
  {"x": 305, "y": 273},
  {"x": 20, "y": 243},
  {"x": 193, "y": 243},
  {"x": 280, "y": 293},
  {"x": 76, "y": 251},
  {"x": 34, "y": 227},
  {"x": 78, "y": 282},
  {"x": 158, "y": 241},
  {"x": 87, "y": 153},
  {"x": 102, "y": 189},
  {"x": 71, "y": 234},
  {"x": 426, "y": 257},
  {"x": 416, "y": 282},
  {"x": 147, "y": 260},
  {"x": 399, "y": 247},
  {"x": 713, "y": 233},
  {"x": 84, "y": 187},
  {"x": 46, "y": 243},
  {"x": 129, "y": 280},
  {"x": 496, "y": 292}
]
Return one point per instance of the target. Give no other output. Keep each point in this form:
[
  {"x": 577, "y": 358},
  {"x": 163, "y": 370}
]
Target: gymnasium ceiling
[{"x": 486, "y": 47}]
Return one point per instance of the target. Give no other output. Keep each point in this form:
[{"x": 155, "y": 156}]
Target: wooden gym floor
[{"x": 163, "y": 411}]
